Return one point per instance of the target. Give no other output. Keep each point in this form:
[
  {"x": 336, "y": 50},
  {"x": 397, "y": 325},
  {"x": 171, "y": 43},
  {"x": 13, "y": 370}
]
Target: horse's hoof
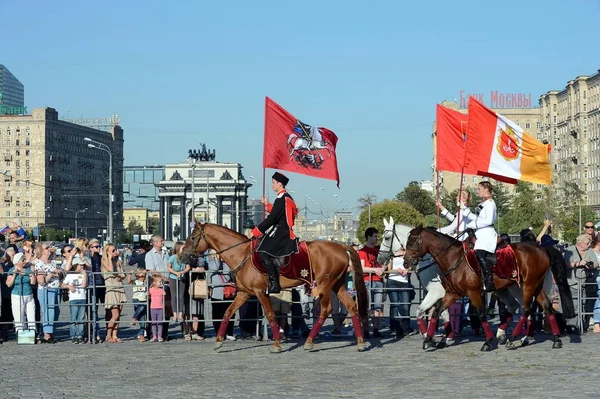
[
  {"x": 276, "y": 349},
  {"x": 557, "y": 344},
  {"x": 527, "y": 341},
  {"x": 502, "y": 340},
  {"x": 441, "y": 345},
  {"x": 218, "y": 345},
  {"x": 309, "y": 346},
  {"x": 360, "y": 347},
  {"x": 513, "y": 344},
  {"x": 429, "y": 345},
  {"x": 487, "y": 347}
]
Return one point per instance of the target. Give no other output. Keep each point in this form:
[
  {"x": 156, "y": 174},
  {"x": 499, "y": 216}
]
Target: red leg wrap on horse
[
  {"x": 432, "y": 327},
  {"x": 449, "y": 331},
  {"x": 505, "y": 321},
  {"x": 422, "y": 326},
  {"x": 223, "y": 328},
  {"x": 487, "y": 330},
  {"x": 553, "y": 324},
  {"x": 357, "y": 326},
  {"x": 275, "y": 330},
  {"x": 530, "y": 328},
  {"x": 519, "y": 326},
  {"x": 319, "y": 323}
]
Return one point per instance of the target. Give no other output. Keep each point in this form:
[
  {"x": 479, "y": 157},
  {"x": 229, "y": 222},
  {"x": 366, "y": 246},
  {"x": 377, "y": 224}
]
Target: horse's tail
[
  {"x": 560, "y": 273},
  {"x": 362, "y": 296}
]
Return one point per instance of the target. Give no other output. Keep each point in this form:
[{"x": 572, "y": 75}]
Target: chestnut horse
[
  {"x": 460, "y": 280},
  {"x": 330, "y": 263}
]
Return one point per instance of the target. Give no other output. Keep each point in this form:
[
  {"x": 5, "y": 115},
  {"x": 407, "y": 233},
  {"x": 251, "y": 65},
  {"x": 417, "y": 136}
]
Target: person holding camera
[
  {"x": 21, "y": 279},
  {"x": 582, "y": 258}
]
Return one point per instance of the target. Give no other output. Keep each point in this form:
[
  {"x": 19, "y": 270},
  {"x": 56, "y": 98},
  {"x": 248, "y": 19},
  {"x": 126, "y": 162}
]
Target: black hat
[
  {"x": 281, "y": 178},
  {"x": 547, "y": 241}
]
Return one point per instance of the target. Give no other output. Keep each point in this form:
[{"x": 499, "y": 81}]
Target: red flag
[
  {"x": 297, "y": 147},
  {"x": 451, "y": 128}
]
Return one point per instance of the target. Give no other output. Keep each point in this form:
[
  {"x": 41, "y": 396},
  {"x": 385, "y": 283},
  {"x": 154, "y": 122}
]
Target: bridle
[
  {"x": 389, "y": 252},
  {"x": 195, "y": 242},
  {"x": 418, "y": 259}
]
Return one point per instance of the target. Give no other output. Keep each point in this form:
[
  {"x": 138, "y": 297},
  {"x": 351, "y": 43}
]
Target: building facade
[
  {"x": 527, "y": 118},
  {"x": 12, "y": 91},
  {"x": 216, "y": 191},
  {"x": 570, "y": 122},
  {"x": 51, "y": 177},
  {"x": 140, "y": 188},
  {"x": 137, "y": 215}
]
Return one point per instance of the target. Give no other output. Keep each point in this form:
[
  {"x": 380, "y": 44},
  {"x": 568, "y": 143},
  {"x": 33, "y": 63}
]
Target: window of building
[
  {"x": 584, "y": 107},
  {"x": 18, "y": 203},
  {"x": 26, "y": 215},
  {"x": 27, "y": 204},
  {"x": 7, "y": 213},
  {"x": 527, "y": 125},
  {"x": 27, "y": 141},
  {"x": 26, "y": 153}
]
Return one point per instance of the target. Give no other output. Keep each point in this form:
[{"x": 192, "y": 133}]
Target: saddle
[
  {"x": 295, "y": 267},
  {"x": 505, "y": 263}
]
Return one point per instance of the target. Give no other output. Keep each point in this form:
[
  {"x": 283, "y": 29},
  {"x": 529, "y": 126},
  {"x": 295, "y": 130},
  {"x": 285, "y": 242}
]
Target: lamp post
[
  {"x": 103, "y": 147},
  {"x": 76, "y": 215}
]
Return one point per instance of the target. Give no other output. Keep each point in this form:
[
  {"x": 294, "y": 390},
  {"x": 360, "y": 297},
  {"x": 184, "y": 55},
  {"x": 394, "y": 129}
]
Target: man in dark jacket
[{"x": 279, "y": 239}]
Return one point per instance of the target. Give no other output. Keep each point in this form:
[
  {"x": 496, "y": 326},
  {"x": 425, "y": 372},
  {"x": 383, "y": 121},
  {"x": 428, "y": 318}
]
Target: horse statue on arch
[
  {"x": 459, "y": 279},
  {"x": 330, "y": 262}
]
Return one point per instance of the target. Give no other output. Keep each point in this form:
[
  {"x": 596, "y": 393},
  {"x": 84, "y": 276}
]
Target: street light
[
  {"x": 76, "y": 214},
  {"x": 103, "y": 147}
]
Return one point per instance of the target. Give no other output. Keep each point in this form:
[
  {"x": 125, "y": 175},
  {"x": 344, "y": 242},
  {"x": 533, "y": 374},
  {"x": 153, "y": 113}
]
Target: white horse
[{"x": 394, "y": 238}]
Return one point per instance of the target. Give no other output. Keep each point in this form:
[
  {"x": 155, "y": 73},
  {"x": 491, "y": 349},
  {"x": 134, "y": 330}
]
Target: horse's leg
[
  {"x": 528, "y": 294},
  {"x": 546, "y": 304},
  {"x": 506, "y": 297},
  {"x": 477, "y": 302},
  {"x": 442, "y": 305},
  {"x": 239, "y": 300},
  {"x": 350, "y": 305},
  {"x": 435, "y": 292},
  {"x": 325, "y": 301},
  {"x": 265, "y": 302}
]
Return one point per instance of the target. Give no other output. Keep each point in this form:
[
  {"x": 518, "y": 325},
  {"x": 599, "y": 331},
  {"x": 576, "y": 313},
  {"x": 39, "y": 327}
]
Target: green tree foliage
[
  {"x": 400, "y": 211},
  {"x": 124, "y": 237},
  {"x": 569, "y": 197},
  {"x": 52, "y": 234},
  {"x": 153, "y": 225},
  {"x": 418, "y": 198},
  {"x": 525, "y": 211},
  {"x": 135, "y": 228}
]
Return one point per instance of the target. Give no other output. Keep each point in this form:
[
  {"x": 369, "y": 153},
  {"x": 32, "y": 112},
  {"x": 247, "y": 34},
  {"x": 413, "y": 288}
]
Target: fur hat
[{"x": 281, "y": 178}]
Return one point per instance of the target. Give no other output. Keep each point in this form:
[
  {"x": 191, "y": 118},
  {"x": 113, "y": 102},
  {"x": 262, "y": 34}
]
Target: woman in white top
[
  {"x": 48, "y": 280},
  {"x": 400, "y": 291},
  {"x": 459, "y": 220}
]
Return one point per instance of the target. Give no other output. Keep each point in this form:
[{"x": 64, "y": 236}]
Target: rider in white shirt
[
  {"x": 459, "y": 220},
  {"x": 483, "y": 222}
]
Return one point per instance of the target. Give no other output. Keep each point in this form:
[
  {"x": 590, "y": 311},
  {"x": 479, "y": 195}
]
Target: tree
[
  {"x": 153, "y": 225},
  {"x": 134, "y": 227},
  {"x": 418, "y": 198},
  {"x": 525, "y": 211},
  {"x": 124, "y": 237},
  {"x": 400, "y": 211},
  {"x": 366, "y": 200}
]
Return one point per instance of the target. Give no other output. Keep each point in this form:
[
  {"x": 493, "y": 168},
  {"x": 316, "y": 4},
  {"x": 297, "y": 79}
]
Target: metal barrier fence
[{"x": 47, "y": 306}]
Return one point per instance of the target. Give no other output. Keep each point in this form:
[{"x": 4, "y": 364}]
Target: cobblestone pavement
[{"x": 335, "y": 369}]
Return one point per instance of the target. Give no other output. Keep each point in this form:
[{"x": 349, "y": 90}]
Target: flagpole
[
  {"x": 437, "y": 194},
  {"x": 462, "y": 174},
  {"x": 264, "y": 155}
]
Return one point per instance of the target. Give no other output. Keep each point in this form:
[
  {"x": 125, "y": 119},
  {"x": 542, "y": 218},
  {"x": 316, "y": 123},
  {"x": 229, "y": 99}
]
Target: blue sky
[{"x": 182, "y": 73}]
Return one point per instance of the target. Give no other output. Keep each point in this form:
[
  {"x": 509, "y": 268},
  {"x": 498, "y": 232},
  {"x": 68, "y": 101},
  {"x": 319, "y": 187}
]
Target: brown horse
[
  {"x": 330, "y": 263},
  {"x": 460, "y": 280}
]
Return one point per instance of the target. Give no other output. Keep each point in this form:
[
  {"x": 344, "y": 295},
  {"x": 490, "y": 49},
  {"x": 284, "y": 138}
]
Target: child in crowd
[
  {"x": 76, "y": 282},
  {"x": 156, "y": 294},
  {"x": 140, "y": 297}
]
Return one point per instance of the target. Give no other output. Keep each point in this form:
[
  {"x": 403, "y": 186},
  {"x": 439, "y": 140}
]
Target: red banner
[
  {"x": 451, "y": 129},
  {"x": 294, "y": 146}
]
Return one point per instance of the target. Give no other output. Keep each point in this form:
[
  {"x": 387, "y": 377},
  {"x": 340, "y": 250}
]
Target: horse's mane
[
  {"x": 228, "y": 231},
  {"x": 439, "y": 235}
]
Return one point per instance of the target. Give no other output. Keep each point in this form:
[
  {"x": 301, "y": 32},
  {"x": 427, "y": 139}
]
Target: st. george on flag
[
  {"x": 297, "y": 147},
  {"x": 499, "y": 148}
]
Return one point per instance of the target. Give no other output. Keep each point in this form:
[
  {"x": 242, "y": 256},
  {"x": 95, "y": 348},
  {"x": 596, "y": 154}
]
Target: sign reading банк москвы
[
  {"x": 11, "y": 110},
  {"x": 498, "y": 100}
]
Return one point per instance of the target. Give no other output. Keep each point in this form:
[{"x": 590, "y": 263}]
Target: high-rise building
[
  {"x": 140, "y": 188},
  {"x": 527, "y": 118},
  {"x": 12, "y": 92},
  {"x": 570, "y": 122},
  {"x": 52, "y": 177}
]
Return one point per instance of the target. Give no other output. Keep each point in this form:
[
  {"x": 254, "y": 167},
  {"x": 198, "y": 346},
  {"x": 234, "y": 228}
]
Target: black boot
[
  {"x": 486, "y": 270},
  {"x": 273, "y": 273}
]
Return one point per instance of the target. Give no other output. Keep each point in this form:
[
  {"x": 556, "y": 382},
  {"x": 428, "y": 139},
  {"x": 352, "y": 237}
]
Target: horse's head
[
  {"x": 195, "y": 244},
  {"x": 415, "y": 250},
  {"x": 393, "y": 239}
]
